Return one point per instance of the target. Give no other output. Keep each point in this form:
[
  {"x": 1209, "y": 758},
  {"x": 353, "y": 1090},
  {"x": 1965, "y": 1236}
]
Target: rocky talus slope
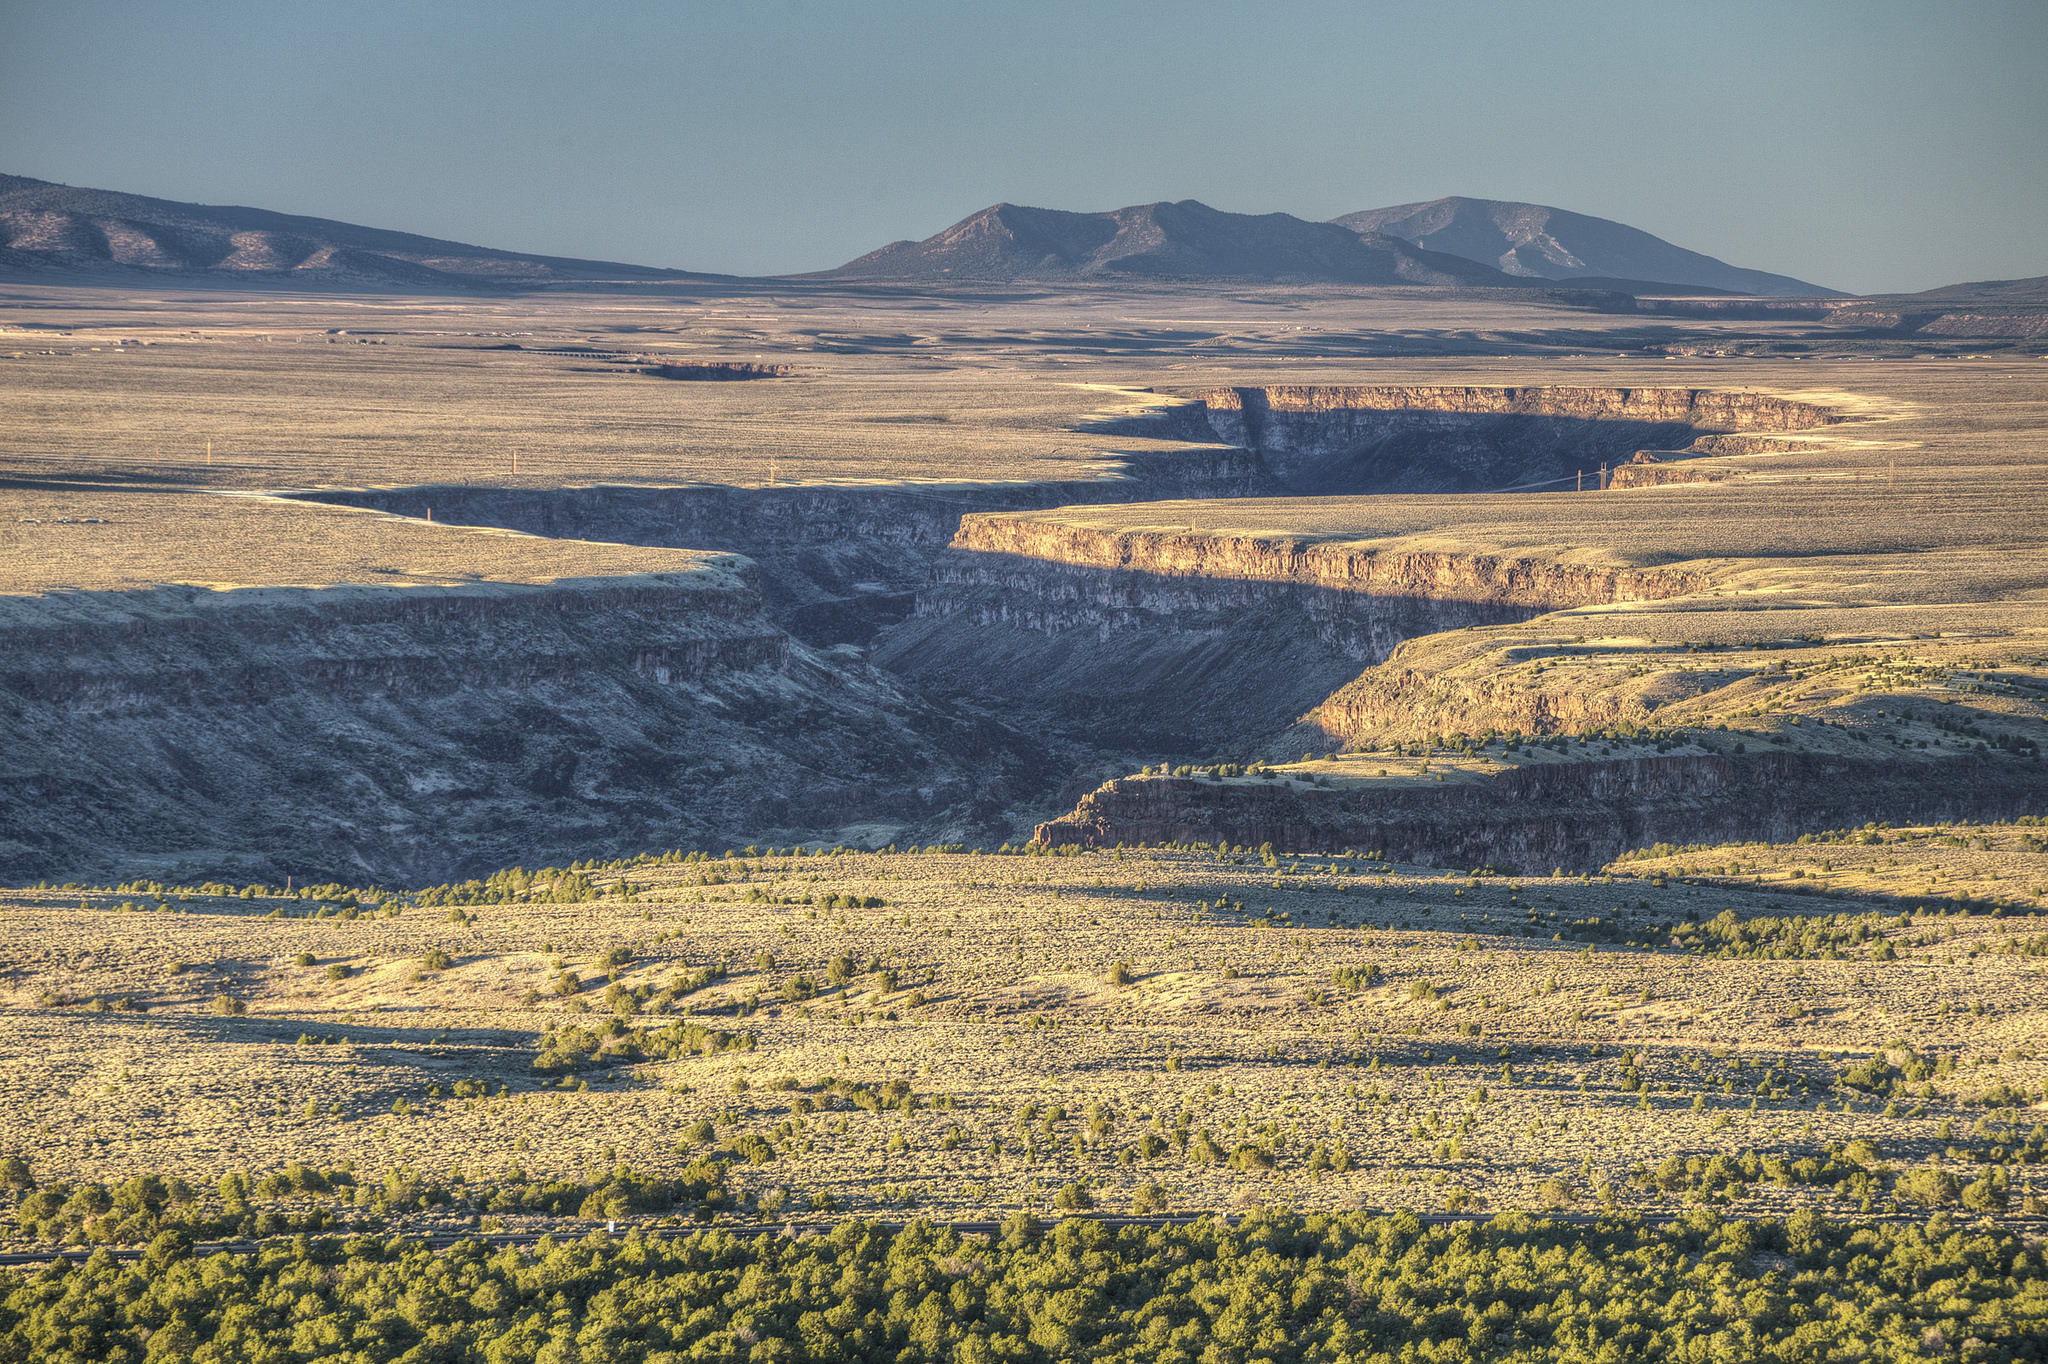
[{"x": 1534, "y": 745}]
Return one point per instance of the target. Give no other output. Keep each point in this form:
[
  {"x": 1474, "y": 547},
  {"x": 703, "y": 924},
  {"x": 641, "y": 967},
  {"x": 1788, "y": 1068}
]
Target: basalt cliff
[{"x": 1576, "y": 815}]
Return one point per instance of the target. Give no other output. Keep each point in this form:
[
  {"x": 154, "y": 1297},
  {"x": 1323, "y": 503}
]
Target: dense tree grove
[{"x": 1279, "y": 1288}]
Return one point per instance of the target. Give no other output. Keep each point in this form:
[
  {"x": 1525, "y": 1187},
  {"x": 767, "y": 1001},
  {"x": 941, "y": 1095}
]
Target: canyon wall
[
  {"x": 838, "y": 563},
  {"x": 1577, "y": 815},
  {"x": 1704, "y": 409},
  {"x": 1463, "y": 687},
  {"x": 843, "y": 563},
  {"x": 418, "y": 734},
  {"x": 1180, "y": 643},
  {"x": 1360, "y": 439},
  {"x": 1537, "y": 584}
]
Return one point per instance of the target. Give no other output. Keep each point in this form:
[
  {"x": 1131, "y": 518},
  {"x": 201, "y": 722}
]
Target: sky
[{"x": 1868, "y": 146}]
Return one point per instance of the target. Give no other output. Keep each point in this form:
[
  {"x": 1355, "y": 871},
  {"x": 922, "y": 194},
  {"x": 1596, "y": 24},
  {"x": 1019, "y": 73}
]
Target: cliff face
[
  {"x": 420, "y": 734},
  {"x": 1574, "y": 815},
  {"x": 1147, "y": 663},
  {"x": 1706, "y": 409},
  {"x": 1165, "y": 643},
  {"x": 1353, "y": 439},
  {"x": 1533, "y": 585},
  {"x": 1663, "y": 475}
]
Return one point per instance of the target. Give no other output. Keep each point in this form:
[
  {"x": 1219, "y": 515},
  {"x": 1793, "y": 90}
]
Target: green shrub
[
  {"x": 1249, "y": 1157},
  {"x": 1279, "y": 1286},
  {"x": 753, "y": 1148},
  {"x": 1074, "y": 1197}
]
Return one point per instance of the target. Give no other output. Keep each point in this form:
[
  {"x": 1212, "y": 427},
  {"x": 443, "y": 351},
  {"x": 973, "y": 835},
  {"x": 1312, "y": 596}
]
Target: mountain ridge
[
  {"x": 1540, "y": 242},
  {"x": 49, "y": 226}
]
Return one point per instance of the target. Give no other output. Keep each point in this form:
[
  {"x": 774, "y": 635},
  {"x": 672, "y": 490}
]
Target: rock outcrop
[{"x": 1577, "y": 815}]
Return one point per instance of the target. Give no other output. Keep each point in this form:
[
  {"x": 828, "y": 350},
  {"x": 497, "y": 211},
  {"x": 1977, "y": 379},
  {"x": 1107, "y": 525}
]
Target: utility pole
[{"x": 1582, "y": 480}]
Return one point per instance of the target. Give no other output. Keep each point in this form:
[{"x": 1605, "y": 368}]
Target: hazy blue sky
[{"x": 1867, "y": 146}]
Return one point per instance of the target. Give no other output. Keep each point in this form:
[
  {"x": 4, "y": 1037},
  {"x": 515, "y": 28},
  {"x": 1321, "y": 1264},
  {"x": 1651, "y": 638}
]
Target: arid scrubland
[{"x": 962, "y": 1034}]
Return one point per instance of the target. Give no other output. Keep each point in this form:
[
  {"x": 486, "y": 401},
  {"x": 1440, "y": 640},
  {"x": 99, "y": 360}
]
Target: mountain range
[
  {"x": 45, "y": 226},
  {"x": 1463, "y": 243}
]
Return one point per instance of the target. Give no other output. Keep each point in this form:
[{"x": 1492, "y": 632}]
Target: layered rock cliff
[
  {"x": 418, "y": 734},
  {"x": 1337, "y": 439},
  {"x": 1183, "y": 643},
  {"x": 1575, "y": 815}
]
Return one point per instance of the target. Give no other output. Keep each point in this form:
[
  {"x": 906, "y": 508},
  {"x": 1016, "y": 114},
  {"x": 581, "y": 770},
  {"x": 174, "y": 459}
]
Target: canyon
[{"x": 951, "y": 603}]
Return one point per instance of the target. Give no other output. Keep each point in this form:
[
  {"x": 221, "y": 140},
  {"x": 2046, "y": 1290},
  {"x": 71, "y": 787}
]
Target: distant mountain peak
[
  {"x": 1535, "y": 241},
  {"x": 1186, "y": 239}
]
